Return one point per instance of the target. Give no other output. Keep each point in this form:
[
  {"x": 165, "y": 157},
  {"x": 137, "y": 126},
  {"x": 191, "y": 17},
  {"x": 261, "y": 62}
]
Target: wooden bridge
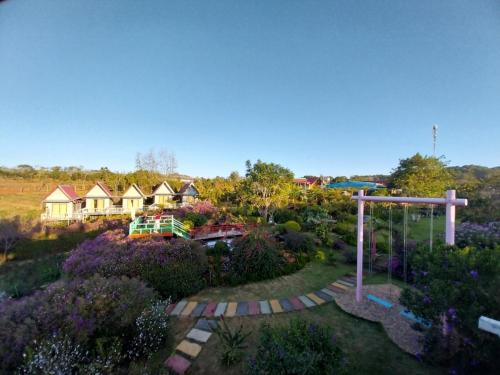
[{"x": 168, "y": 226}]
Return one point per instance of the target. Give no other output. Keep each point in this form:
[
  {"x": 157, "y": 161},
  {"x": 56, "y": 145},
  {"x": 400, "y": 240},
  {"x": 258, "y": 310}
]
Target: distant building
[
  {"x": 188, "y": 194},
  {"x": 355, "y": 185},
  {"x": 99, "y": 199},
  {"x": 308, "y": 182},
  {"x": 63, "y": 203},
  {"x": 133, "y": 199},
  {"x": 163, "y": 194}
]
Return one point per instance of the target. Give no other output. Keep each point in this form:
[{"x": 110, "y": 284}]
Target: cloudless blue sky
[{"x": 334, "y": 87}]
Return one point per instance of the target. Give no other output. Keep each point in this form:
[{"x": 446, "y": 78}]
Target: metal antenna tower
[{"x": 434, "y": 138}]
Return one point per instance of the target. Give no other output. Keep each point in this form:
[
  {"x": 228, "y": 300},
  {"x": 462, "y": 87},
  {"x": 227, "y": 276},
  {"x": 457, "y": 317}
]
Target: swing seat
[
  {"x": 380, "y": 301},
  {"x": 411, "y": 316}
]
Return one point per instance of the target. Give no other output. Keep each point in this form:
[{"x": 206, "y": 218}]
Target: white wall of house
[
  {"x": 97, "y": 199},
  {"x": 59, "y": 209},
  {"x": 133, "y": 203}
]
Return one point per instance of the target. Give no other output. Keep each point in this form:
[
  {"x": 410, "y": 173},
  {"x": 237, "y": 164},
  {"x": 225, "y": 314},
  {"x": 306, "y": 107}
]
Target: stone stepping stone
[
  {"x": 179, "y": 307},
  {"x": 206, "y": 325},
  {"x": 231, "y": 309},
  {"x": 286, "y": 305},
  {"x": 317, "y": 300},
  {"x": 275, "y": 305},
  {"x": 340, "y": 286},
  {"x": 242, "y": 309},
  {"x": 189, "y": 308},
  {"x": 253, "y": 308},
  {"x": 329, "y": 292},
  {"x": 190, "y": 349},
  {"x": 198, "y": 310},
  {"x": 177, "y": 364},
  {"x": 264, "y": 307},
  {"x": 198, "y": 335},
  {"x": 210, "y": 309},
  {"x": 170, "y": 308},
  {"x": 221, "y": 308},
  {"x": 323, "y": 296},
  {"x": 297, "y": 304},
  {"x": 335, "y": 289},
  {"x": 306, "y": 301},
  {"x": 346, "y": 283}
]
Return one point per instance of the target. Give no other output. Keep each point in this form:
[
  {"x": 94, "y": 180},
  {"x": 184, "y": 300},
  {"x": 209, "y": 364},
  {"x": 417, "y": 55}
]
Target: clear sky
[{"x": 322, "y": 87}]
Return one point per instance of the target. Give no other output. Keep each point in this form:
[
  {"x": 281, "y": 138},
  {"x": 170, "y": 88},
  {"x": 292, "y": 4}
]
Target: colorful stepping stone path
[{"x": 190, "y": 347}]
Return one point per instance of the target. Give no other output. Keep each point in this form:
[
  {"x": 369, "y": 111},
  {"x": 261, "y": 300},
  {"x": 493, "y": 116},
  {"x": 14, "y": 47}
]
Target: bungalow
[
  {"x": 133, "y": 199},
  {"x": 188, "y": 194},
  {"x": 163, "y": 194},
  {"x": 98, "y": 199},
  {"x": 308, "y": 182},
  {"x": 63, "y": 203}
]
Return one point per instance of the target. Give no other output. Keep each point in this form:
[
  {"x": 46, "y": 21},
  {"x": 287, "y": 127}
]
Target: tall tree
[
  {"x": 421, "y": 176},
  {"x": 266, "y": 186}
]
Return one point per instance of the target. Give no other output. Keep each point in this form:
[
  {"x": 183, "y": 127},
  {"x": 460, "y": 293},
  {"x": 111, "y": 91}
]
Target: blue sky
[{"x": 322, "y": 87}]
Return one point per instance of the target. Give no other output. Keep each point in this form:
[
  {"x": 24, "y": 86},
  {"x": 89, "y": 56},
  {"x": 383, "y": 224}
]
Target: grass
[
  {"x": 26, "y": 204},
  {"x": 368, "y": 349}
]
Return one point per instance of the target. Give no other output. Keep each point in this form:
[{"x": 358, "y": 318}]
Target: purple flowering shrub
[
  {"x": 174, "y": 269},
  {"x": 478, "y": 235},
  {"x": 86, "y": 311},
  {"x": 452, "y": 288},
  {"x": 299, "y": 348}
]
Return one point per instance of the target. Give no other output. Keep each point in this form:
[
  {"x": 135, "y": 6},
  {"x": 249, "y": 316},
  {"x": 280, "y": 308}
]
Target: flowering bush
[
  {"x": 453, "y": 288},
  {"x": 152, "y": 330},
  {"x": 299, "y": 348},
  {"x": 87, "y": 311},
  {"x": 255, "y": 257},
  {"x": 175, "y": 268},
  {"x": 478, "y": 235},
  {"x": 205, "y": 208},
  {"x": 57, "y": 354}
]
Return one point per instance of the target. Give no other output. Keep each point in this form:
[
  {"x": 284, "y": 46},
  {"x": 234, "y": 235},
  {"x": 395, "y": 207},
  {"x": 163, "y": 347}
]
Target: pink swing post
[{"x": 450, "y": 201}]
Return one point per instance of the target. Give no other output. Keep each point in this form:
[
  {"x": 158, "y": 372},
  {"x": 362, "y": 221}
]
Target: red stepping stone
[
  {"x": 253, "y": 308},
  {"x": 297, "y": 305},
  {"x": 210, "y": 309},
  {"x": 177, "y": 364},
  {"x": 169, "y": 308}
]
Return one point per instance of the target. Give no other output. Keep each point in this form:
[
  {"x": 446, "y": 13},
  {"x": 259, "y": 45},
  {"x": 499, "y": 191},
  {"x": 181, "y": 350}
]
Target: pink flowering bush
[
  {"x": 175, "y": 268},
  {"x": 86, "y": 311}
]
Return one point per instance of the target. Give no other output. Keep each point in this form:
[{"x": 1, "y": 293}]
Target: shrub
[
  {"x": 344, "y": 228},
  {"x": 299, "y": 348},
  {"x": 151, "y": 330},
  {"x": 205, "y": 208},
  {"x": 339, "y": 245},
  {"x": 232, "y": 343},
  {"x": 255, "y": 257},
  {"x": 197, "y": 219},
  {"x": 57, "y": 354},
  {"x": 283, "y": 215},
  {"x": 297, "y": 242},
  {"x": 292, "y": 226},
  {"x": 175, "y": 268},
  {"x": 220, "y": 248},
  {"x": 86, "y": 311},
  {"x": 350, "y": 256}
]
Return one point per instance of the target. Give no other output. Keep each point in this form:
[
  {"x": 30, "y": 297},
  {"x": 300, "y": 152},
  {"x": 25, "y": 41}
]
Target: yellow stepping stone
[
  {"x": 275, "y": 305},
  {"x": 189, "y": 308},
  {"x": 341, "y": 286},
  {"x": 189, "y": 348},
  {"x": 315, "y": 298},
  {"x": 231, "y": 309}
]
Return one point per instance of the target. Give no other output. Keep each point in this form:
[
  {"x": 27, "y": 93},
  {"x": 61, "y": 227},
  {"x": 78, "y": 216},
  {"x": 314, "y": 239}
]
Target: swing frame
[{"x": 450, "y": 201}]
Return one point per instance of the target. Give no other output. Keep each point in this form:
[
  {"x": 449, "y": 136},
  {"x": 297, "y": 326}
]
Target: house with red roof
[
  {"x": 308, "y": 182},
  {"x": 63, "y": 203},
  {"x": 99, "y": 199}
]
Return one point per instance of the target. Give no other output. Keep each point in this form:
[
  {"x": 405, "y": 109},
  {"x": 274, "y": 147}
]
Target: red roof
[
  {"x": 105, "y": 188},
  {"x": 312, "y": 180},
  {"x": 68, "y": 190},
  {"x": 300, "y": 180}
]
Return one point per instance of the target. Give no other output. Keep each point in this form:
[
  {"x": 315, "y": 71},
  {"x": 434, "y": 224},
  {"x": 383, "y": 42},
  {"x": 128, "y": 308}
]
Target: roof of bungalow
[
  {"x": 354, "y": 185},
  {"x": 67, "y": 190},
  {"x": 157, "y": 190},
  {"x": 312, "y": 180},
  {"x": 103, "y": 187},
  {"x": 300, "y": 180},
  {"x": 186, "y": 187},
  {"x": 140, "y": 194}
]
